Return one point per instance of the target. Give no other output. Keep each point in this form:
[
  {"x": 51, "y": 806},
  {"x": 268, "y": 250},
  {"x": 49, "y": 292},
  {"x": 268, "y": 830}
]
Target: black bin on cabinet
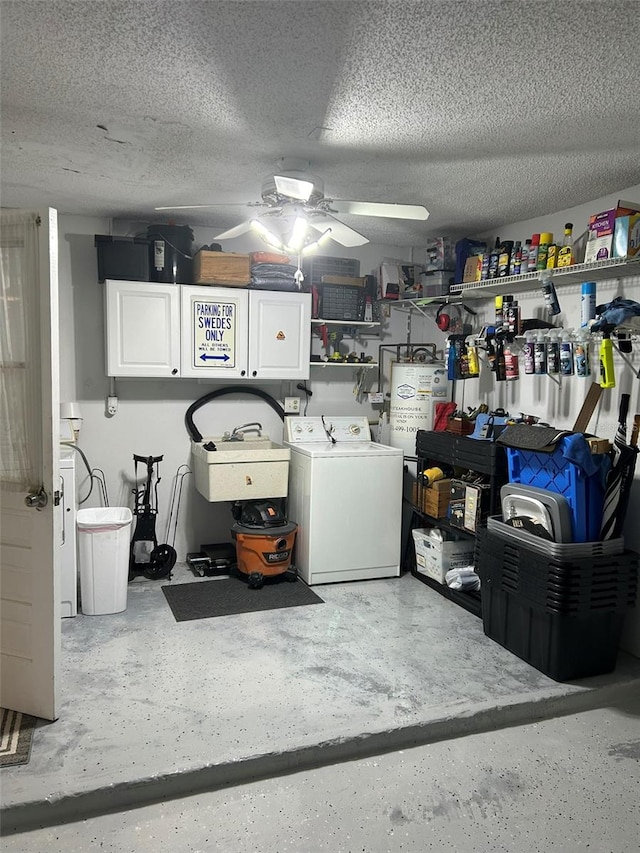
[
  {"x": 564, "y": 617},
  {"x": 122, "y": 258}
]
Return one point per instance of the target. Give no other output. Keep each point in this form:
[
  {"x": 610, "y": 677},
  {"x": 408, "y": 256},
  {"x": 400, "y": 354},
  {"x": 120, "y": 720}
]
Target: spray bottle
[
  {"x": 581, "y": 353},
  {"x": 607, "y": 376},
  {"x": 540, "y": 354},
  {"x": 549, "y": 293},
  {"x": 528, "y": 352},
  {"x": 566, "y": 353},
  {"x": 511, "y": 364},
  {"x": 553, "y": 352},
  {"x": 472, "y": 358},
  {"x": 501, "y": 370}
]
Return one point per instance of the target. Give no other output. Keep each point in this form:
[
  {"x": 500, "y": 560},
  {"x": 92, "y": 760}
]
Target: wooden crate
[
  {"x": 225, "y": 268},
  {"x": 435, "y": 501},
  {"x": 348, "y": 280}
]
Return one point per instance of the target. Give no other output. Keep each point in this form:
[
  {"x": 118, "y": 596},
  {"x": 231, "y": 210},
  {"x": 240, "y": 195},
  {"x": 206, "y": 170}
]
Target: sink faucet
[{"x": 239, "y": 431}]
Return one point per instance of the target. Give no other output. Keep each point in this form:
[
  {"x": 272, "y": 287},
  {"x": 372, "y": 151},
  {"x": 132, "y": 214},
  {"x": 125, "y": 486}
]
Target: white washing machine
[{"x": 345, "y": 495}]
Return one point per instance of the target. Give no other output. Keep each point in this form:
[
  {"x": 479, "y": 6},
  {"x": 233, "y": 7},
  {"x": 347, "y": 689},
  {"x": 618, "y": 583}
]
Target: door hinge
[{"x": 57, "y": 496}]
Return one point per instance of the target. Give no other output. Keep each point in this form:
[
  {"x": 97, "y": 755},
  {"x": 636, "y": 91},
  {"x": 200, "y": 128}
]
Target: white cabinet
[
  {"x": 206, "y": 332},
  {"x": 215, "y": 329},
  {"x": 279, "y": 334},
  {"x": 256, "y": 334},
  {"x": 142, "y": 329}
]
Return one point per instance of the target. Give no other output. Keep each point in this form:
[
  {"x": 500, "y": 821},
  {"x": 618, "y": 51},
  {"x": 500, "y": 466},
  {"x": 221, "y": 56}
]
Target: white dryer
[{"x": 345, "y": 495}]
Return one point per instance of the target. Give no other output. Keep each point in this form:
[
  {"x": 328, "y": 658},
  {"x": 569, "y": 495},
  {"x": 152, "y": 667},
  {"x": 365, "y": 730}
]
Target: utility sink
[{"x": 240, "y": 470}]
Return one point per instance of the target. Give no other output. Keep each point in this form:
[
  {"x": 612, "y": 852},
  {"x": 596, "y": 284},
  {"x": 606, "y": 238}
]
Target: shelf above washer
[
  {"x": 362, "y": 323},
  {"x": 368, "y": 364}
]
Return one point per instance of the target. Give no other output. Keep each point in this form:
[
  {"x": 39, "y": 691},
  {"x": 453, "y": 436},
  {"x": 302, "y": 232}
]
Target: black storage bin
[
  {"x": 171, "y": 258},
  {"x": 601, "y": 582},
  {"x": 562, "y": 616},
  {"x": 122, "y": 258},
  {"x": 562, "y": 646},
  {"x": 485, "y": 457}
]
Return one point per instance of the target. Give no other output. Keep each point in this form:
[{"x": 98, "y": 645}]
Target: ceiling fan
[{"x": 294, "y": 201}]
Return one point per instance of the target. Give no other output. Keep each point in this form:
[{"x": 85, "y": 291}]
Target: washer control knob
[
  {"x": 354, "y": 429},
  {"x": 297, "y": 428}
]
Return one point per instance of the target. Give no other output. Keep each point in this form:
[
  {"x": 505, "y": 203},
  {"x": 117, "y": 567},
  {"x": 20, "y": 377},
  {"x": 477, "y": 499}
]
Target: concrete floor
[
  {"x": 571, "y": 784},
  {"x": 154, "y": 710}
]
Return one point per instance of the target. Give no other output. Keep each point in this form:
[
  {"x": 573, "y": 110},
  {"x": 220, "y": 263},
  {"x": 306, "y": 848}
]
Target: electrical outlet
[
  {"x": 112, "y": 405},
  {"x": 292, "y": 405}
]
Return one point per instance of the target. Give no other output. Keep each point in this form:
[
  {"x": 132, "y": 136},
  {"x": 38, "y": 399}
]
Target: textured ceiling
[{"x": 485, "y": 112}]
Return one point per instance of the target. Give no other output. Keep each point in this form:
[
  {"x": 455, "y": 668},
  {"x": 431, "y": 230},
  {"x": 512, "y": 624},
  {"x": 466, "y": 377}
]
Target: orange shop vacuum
[{"x": 264, "y": 541}]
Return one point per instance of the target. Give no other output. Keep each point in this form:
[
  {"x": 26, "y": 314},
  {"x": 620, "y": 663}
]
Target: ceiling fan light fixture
[
  {"x": 311, "y": 247},
  {"x": 268, "y": 236},
  {"x": 293, "y": 187},
  {"x": 298, "y": 234}
]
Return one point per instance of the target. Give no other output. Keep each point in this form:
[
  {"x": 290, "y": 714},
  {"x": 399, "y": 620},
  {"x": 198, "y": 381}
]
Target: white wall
[
  {"x": 150, "y": 417},
  {"x": 558, "y": 400}
]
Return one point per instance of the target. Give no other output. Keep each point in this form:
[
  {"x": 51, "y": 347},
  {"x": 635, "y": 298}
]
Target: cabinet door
[
  {"x": 279, "y": 334},
  {"x": 214, "y": 332},
  {"x": 142, "y": 329}
]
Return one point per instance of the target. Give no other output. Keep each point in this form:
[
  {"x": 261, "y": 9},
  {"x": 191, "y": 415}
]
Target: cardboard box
[
  {"x": 433, "y": 500},
  {"x": 626, "y": 237},
  {"x": 602, "y": 228},
  {"x": 441, "y": 254},
  {"x": 344, "y": 280},
  {"x": 226, "y": 268},
  {"x": 436, "y": 555},
  {"x": 472, "y": 269}
]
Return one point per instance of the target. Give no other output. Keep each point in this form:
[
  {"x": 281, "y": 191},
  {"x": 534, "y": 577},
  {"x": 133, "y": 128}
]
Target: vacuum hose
[{"x": 220, "y": 392}]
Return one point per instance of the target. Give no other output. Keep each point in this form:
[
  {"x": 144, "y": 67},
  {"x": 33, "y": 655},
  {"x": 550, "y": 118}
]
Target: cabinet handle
[
  {"x": 242, "y": 372},
  {"x": 255, "y": 373},
  {"x": 174, "y": 371}
]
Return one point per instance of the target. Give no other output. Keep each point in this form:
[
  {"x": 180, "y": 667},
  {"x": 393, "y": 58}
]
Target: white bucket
[{"x": 103, "y": 555}]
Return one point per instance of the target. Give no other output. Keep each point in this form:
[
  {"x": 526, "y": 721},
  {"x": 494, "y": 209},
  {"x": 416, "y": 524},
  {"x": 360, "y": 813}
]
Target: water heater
[{"x": 415, "y": 390}]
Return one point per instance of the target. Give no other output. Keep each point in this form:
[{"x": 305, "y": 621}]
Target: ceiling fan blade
[
  {"x": 208, "y": 206},
  {"x": 293, "y": 187},
  {"x": 374, "y": 208},
  {"x": 340, "y": 232},
  {"x": 236, "y": 231}
]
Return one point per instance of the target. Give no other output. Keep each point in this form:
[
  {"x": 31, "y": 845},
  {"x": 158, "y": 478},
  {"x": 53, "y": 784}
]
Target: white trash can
[{"x": 103, "y": 556}]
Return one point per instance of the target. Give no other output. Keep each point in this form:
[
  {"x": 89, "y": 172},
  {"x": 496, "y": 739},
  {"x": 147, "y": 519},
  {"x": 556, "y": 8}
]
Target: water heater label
[
  {"x": 406, "y": 392},
  {"x": 214, "y": 334}
]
